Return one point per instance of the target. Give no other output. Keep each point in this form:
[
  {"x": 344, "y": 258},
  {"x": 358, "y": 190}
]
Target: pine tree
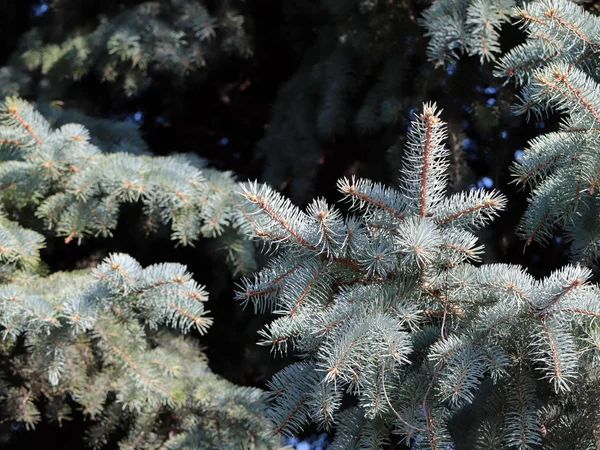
[{"x": 387, "y": 306}]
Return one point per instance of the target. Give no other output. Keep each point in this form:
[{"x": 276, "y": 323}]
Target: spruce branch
[
  {"x": 470, "y": 27},
  {"x": 556, "y": 69},
  {"x": 77, "y": 190},
  {"x": 175, "y": 38},
  {"x": 418, "y": 335},
  {"x": 91, "y": 339}
]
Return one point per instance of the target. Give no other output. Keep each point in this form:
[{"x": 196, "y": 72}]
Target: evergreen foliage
[
  {"x": 173, "y": 38},
  {"x": 77, "y": 189},
  {"x": 557, "y": 69},
  {"x": 465, "y": 26},
  {"x": 344, "y": 109},
  {"x": 91, "y": 338},
  {"x": 387, "y": 306},
  {"x": 403, "y": 337},
  {"x": 98, "y": 338},
  {"x": 349, "y": 87}
]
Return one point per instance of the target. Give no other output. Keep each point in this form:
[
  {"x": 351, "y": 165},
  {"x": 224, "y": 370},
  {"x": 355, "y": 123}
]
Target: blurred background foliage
[{"x": 297, "y": 94}]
